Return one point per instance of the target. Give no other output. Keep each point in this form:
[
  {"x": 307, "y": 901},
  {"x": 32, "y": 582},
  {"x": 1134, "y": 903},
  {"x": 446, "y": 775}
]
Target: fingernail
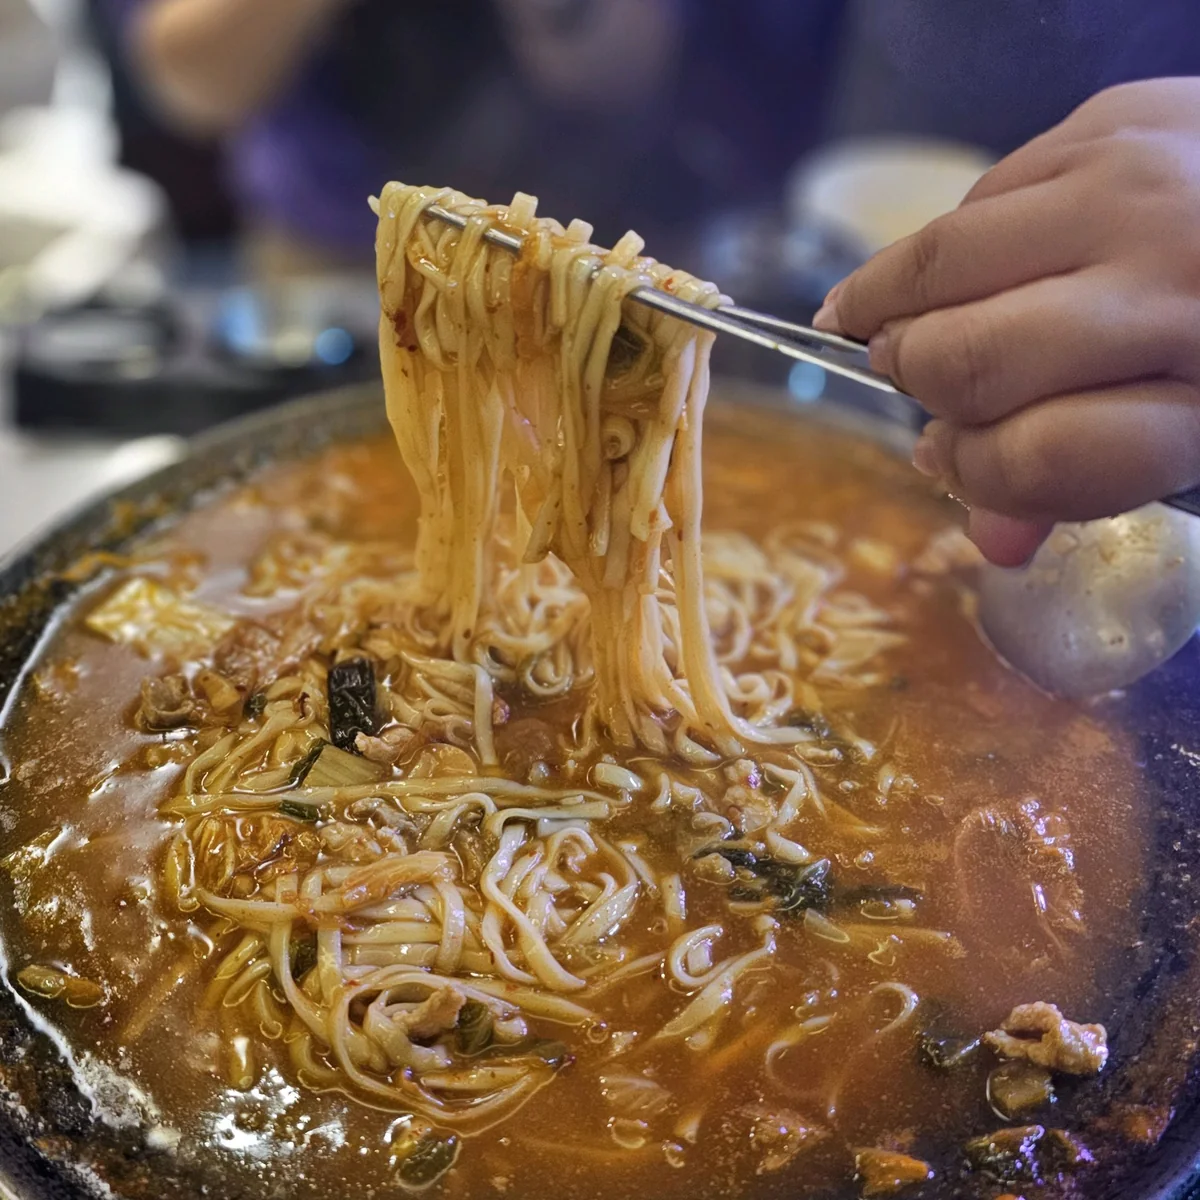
[
  {"x": 877, "y": 353},
  {"x": 826, "y": 318},
  {"x": 925, "y": 457}
]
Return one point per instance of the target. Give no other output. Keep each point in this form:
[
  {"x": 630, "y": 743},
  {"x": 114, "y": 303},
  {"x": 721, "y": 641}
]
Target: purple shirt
[{"x": 762, "y": 80}]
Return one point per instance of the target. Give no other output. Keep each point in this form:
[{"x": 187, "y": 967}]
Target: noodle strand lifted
[{"x": 529, "y": 374}]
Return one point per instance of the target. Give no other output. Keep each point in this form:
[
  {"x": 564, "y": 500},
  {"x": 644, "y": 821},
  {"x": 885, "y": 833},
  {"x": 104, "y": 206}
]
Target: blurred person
[{"x": 642, "y": 112}]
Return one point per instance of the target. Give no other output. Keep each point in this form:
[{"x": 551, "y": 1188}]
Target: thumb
[{"x": 1006, "y": 541}]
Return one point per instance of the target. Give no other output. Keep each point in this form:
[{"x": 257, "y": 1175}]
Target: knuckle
[
  {"x": 1015, "y": 469},
  {"x": 1034, "y": 463},
  {"x": 973, "y": 360},
  {"x": 949, "y": 364},
  {"x": 927, "y": 254}
]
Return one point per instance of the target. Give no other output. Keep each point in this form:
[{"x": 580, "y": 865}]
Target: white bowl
[{"x": 879, "y": 190}]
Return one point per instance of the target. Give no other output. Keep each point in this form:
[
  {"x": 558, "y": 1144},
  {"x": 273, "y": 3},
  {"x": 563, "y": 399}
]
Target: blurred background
[{"x": 184, "y": 234}]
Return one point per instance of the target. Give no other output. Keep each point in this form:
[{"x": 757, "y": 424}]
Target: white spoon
[{"x": 1101, "y": 604}]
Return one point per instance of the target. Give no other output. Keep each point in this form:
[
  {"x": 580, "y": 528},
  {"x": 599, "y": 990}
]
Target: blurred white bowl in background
[{"x": 875, "y": 191}]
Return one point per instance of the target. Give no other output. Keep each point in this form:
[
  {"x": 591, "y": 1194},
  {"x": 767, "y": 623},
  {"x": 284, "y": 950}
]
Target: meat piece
[
  {"x": 777, "y": 1135},
  {"x": 222, "y": 695},
  {"x": 1019, "y": 859},
  {"x": 388, "y": 747},
  {"x": 1040, "y": 1034},
  {"x": 747, "y": 808},
  {"x": 245, "y": 655},
  {"x": 166, "y": 703},
  {"x": 886, "y": 1172},
  {"x": 438, "y": 1013}
]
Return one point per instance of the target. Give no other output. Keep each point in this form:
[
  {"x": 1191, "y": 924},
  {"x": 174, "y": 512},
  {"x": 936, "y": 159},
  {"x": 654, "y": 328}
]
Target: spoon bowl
[{"x": 1101, "y": 604}]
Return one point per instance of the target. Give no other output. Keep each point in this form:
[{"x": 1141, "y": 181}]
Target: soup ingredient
[
  {"x": 53, "y": 984},
  {"x": 424, "y": 1158},
  {"x": 886, "y": 1172},
  {"x": 1040, "y": 1034},
  {"x": 166, "y": 703},
  {"x": 327, "y": 766},
  {"x": 776, "y": 1135},
  {"x": 1027, "y": 1154},
  {"x": 475, "y": 1027},
  {"x": 1019, "y": 1088},
  {"x": 154, "y": 620},
  {"x": 1008, "y": 1155},
  {"x": 351, "y": 690},
  {"x": 505, "y": 387}
]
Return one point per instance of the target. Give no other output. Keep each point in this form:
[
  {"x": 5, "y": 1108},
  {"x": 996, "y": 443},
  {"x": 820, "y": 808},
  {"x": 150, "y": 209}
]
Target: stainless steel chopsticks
[{"x": 827, "y": 350}]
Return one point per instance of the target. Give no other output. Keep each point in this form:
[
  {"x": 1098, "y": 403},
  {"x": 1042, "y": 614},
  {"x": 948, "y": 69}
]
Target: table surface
[{"x": 43, "y": 478}]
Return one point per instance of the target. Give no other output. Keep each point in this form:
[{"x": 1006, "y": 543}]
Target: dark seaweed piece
[
  {"x": 351, "y": 687},
  {"x": 625, "y": 352},
  {"x": 737, "y": 856},
  {"x": 302, "y": 956},
  {"x": 474, "y": 1029},
  {"x": 945, "y": 1053},
  {"x": 1008, "y": 1155},
  {"x": 793, "y": 887},
  {"x": 303, "y": 766},
  {"x": 255, "y": 704},
  {"x": 555, "y": 1054},
  {"x": 429, "y": 1159},
  {"x": 941, "y": 1044},
  {"x": 814, "y": 723}
]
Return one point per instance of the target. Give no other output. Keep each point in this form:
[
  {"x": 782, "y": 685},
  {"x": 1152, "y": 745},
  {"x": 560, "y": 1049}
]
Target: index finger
[{"x": 984, "y": 247}]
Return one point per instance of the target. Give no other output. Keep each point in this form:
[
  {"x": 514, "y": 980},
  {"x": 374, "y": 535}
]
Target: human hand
[{"x": 1051, "y": 324}]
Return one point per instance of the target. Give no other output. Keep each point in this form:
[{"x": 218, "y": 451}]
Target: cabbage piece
[{"x": 154, "y": 620}]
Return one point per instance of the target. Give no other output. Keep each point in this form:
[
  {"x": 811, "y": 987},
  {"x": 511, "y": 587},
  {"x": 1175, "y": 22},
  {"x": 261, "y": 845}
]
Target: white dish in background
[{"x": 875, "y": 191}]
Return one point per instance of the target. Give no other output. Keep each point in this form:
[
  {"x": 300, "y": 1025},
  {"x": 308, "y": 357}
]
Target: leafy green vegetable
[
  {"x": 941, "y": 1043},
  {"x": 302, "y": 956},
  {"x": 814, "y": 723},
  {"x": 429, "y": 1159},
  {"x": 556, "y": 1054},
  {"x": 300, "y": 810},
  {"x": 626, "y": 350},
  {"x": 945, "y": 1053},
  {"x": 255, "y": 704},
  {"x": 1008, "y": 1155},
  {"x": 553, "y": 1053},
  {"x": 327, "y": 766},
  {"x": 475, "y": 1027},
  {"x": 303, "y": 766},
  {"x": 793, "y": 887}
]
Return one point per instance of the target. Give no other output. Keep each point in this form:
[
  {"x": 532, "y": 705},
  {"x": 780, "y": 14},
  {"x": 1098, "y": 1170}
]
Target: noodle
[{"x": 500, "y": 374}]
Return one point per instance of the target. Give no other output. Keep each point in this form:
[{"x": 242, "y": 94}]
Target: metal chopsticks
[{"x": 827, "y": 350}]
